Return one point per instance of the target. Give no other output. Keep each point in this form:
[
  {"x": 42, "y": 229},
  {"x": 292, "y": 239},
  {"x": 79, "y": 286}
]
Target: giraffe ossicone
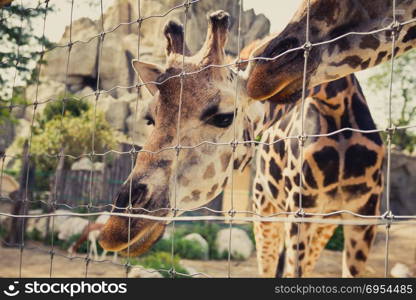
[{"x": 341, "y": 171}]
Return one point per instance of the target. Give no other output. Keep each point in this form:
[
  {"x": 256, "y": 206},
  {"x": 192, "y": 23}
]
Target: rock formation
[{"x": 112, "y": 58}]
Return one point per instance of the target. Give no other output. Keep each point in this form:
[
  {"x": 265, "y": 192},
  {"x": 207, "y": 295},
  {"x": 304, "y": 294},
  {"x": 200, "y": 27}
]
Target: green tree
[
  {"x": 71, "y": 132},
  {"x": 20, "y": 46},
  {"x": 403, "y": 96}
]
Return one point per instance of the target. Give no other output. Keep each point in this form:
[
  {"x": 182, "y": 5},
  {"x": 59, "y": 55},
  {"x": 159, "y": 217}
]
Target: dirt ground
[{"x": 36, "y": 261}]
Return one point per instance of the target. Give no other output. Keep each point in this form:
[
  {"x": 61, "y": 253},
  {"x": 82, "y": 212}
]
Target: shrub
[
  {"x": 161, "y": 261},
  {"x": 336, "y": 243},
  {"x": 73, "y": 107},
  {"x": 209, "y": 233},
  {"x": 183, "y": 248},
  {"x": 3, "y": 232},
  {"x": 84, "y": 246},
  {"x": 74, "y": 133}
]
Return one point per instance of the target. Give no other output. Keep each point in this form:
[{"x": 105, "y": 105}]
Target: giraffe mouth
[
  {"x": 289, "y": 93},
  {"x": 144, "y": 241},
  {"x": 142, "y": 235},
  {"x": 261, "y": 88}
]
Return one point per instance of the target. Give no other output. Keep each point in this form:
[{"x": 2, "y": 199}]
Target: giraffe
[
  {"x": 91, "y": 233},
  {"x": 339, "y": 171},
  {"x": 330, "y": 19}
]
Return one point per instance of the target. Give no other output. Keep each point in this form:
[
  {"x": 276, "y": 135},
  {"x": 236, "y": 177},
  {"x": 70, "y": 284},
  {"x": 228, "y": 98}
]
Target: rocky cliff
[{"x": 120, "y": 46}]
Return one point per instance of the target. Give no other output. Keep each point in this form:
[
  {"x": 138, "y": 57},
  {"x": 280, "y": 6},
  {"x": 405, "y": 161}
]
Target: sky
[{"x": 279, "y": 12}]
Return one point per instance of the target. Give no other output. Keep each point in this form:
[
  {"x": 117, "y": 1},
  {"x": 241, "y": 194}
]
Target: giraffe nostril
[
  {"x": 276, "y": 48},
  {"x": 130, "y": 193}
]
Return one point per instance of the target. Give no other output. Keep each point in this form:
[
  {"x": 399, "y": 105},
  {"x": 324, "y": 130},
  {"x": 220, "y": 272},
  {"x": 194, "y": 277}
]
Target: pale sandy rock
[
  {"x": 49, "y": 90},
  {"x": 102, "y": 219},
  {"x": 117, "y": 114},
  {"x": 82, "y": 60},
  {"x": 403, "y": 184},
  {"x": 7, "y": 134},
  {"x": 137, "y": 124},
  {"x": 82, "y": 164},
  {"x": 40, "y": 224},
  {"x": 71, "y": 226},
  {"x": 400, "y": 270},
  {"x": 138, "y": 272},
  {"x": 241, "y": 245},
  {"x": 8, "y": 185},
  {"x": 198, "y": 239}
]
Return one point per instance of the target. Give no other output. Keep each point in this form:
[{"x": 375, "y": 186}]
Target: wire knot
[
  {"x": 300, "y": 213},
  {"x": 174, "y": 210},
  {"x": 388, "y": 216},
  {"x": 390, "y": 131},
  {"x": 128, "y": 266},
  {"x": 187, "y": 4},
  {"x": 394, "y": 27},
  {"x": 302, "y": 139},
  {"x": 232, "y": 212},
  {"x": 307, "y": 46},
  {"x": 234, "y": 145},
  {"x": 172, "y": 272},
  {"x": 178, "y": 148},
  {"x": 52, "y": 253}
]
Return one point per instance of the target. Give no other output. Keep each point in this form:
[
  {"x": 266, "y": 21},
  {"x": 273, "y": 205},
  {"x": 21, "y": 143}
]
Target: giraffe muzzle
[{"x": 131, "y": 235}]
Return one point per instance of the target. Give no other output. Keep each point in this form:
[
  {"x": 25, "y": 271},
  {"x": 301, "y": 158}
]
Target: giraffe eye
[
  {"x": 221, "y": 120},
  {"x": 149, "y": 120}
]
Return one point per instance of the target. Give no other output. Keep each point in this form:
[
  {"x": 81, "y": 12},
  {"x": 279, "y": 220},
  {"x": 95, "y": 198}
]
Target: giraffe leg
[
  {"x": 357, "y": 245},
  {"x": 268, "y": 235},
  {"x": 268, "y": 245},
  {"x": 358, "y": 239},
  {"x": 103, "y": 255},
  {"x": 319, "y": 240},
  {"x": 115, "y": 256},
  {"x": 93, "y": 247},
  {"x": 297, "y": 247}
]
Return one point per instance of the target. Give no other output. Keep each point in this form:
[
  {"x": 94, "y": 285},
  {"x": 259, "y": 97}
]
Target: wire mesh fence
[{"x": 90, "y": 208}]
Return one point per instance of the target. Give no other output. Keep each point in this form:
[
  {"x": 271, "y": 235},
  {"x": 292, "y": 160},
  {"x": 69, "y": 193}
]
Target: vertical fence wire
[
  {"x": 390, "y": 131},
  {"x": 178, "y": 146},
  {"x": 27, "y": 154},
  {"x": 94, "y": 124},
  {"x": 133, "y": 144},
  {"x": 234, "y": 142},
  {"x": 301, "y": 142},
  {"x": 61, "y": 156}
]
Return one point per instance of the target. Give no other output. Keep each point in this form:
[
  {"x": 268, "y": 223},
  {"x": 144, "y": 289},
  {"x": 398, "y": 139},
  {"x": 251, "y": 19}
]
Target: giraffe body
[{"x": 340, "y": 172}]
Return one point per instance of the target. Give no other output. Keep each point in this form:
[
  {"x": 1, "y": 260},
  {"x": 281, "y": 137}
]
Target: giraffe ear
[{"x": 148, "y": 73}]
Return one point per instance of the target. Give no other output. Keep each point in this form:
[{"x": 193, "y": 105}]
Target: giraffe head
[
  {"x": 192, "y": 111},
  {"x": 282, "y": 78}
]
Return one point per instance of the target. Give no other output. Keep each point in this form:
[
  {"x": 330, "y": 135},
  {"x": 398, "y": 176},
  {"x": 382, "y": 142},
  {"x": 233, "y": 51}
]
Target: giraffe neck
[
  {"x": 333, "y": 99},
  {"x": 331, "y": 19}
]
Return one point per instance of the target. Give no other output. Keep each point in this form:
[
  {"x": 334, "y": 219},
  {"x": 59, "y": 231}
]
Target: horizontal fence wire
[{"x": 299, "y": 217}]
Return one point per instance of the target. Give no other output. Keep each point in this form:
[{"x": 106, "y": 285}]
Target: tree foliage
[
  {"x": 71, "y": 132},
  {"x": 20, "y": 47},
  {"x": 403, "y": 96}
]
